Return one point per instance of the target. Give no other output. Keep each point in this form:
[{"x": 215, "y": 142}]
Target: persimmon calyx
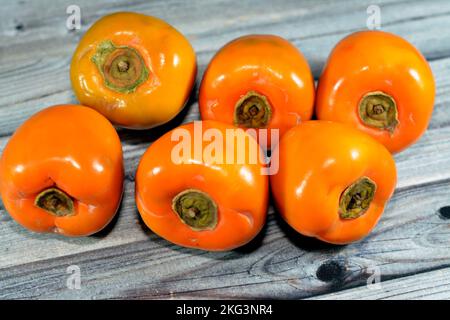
[
  {"x": 196, "y": 209},
  {"x": 55, "y": 202},
  {"x": 379, "y": 110},
  {"x": 356, "y": 198},
  {"x": 123, "y": 69},
  {"x": 252, "y": 111}
]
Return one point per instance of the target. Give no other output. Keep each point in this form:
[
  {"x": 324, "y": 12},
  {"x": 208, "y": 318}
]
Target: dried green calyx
[
  {"x": 196, "y": 209},
  {"x": 55, "y": 202},
  {"x": 356, "y": 198},
  {"x": 123, "y": 69},
  {"x": 379, "y": 110},
  {"x": 252, "y": 111}
]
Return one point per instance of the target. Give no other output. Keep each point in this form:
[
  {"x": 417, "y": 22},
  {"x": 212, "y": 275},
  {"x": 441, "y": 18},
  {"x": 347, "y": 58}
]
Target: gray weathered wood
[
  {"x": 129, "y": 261},
  {"x": 424, "y": 286}
]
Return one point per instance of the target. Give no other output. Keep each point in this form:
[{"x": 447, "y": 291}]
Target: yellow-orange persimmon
[
  {"x": 333, "y": 181},
  {"x": 62, "y": 171},
  {"x": 198, "y": 203},
  {"x": 379, "y": 83},
  {"x": 136, "y": 70},
  {"x": 258, "y": 81}
]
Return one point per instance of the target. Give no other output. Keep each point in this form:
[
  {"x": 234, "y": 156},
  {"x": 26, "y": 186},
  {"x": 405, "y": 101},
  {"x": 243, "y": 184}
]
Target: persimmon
[
  {"x": 379, "y": 83},
  {"x": 62, "y": 171},
  {"x": 136, "y": 70},
  {"x": 193, "y": 201},
  {"x": 333, "y": 181},
  {"x": 258, "y": 81}
]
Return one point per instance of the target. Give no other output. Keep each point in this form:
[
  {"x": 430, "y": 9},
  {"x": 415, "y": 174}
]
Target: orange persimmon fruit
[
  {"x": 199, "y": 203},
  {"x": 258, "y": 81},
  {"x": 333, "y": 181},
  {"x": 379, "y": 83},
  {"x": 62, "y": 171},
  {"x": 136, "y": 70}
]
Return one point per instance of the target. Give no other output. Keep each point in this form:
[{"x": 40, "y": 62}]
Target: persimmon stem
[
  {"x": 55, "y": 202},
  {"x": 379, "y": 110},
  {"x": 122, "y": 67},
  {"x": 196, "y": 209},
  {"x": 356, "y": 198},
  {"x": 252, "y": 111}
]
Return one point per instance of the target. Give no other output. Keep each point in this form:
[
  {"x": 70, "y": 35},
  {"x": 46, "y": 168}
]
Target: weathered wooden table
[{"x": 409, "y": 251}]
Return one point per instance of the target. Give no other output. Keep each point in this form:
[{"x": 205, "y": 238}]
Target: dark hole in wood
[
  {"x": 444, "y": 212},
  {"x": 19, "y": 26},
  {"x": 331, "y": 271},
  {"x": 129, "y": 176}
]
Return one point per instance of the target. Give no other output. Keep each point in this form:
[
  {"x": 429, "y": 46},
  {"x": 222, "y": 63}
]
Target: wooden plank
[
  {"x": 306, "y": 25},
  {"x": 127, "y": 260},
  {"x": 412, "y": 237},
  {"x": 433, "y": 285}
]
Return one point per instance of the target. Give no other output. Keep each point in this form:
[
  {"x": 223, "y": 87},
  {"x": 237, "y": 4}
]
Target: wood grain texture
[
  {"x": 426, "y": 286},
  {"x": 127, "y": 260}
]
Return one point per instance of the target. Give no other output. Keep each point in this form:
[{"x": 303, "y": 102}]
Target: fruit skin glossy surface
[
  {"x": 239, "y": 191},
  {"x": 74, "y": 149},
  {"x": 318, "y": 160},
  {"x": 167, "y": 54},
  {"x": 267, "y": 64},
  {"x": 377, "y": 61}
]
